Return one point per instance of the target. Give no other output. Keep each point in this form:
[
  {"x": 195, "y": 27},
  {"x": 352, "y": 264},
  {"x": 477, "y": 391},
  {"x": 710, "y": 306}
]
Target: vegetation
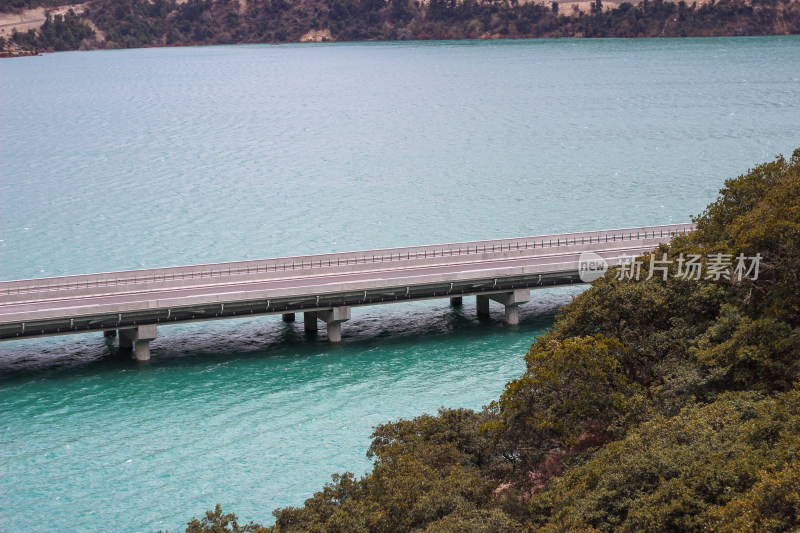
[
  {"x": 652, "y": 405},
  {"x": 58, "y": 33},
  {"x": 136, "y": 23}
]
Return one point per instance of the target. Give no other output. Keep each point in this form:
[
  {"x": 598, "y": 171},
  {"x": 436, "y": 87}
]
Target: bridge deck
[{"x": 118, "y": 300}]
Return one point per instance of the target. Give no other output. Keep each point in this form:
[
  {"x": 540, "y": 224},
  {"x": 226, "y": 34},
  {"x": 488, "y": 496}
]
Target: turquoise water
[{"x": 141, "y": 158}]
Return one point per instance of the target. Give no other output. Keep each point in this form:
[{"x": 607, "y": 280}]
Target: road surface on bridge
[{"x": 322, "y": 286}]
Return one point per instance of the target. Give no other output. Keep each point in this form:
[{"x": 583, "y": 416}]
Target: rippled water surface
[{"x": 141, "y": 158}]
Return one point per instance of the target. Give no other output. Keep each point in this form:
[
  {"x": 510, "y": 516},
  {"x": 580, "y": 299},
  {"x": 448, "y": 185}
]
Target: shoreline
[
  {"x": 99, "y": 27},
  {"x": 29, "y": 53}
]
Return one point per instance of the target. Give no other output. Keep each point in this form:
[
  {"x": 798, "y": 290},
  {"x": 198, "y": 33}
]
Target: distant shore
[{"x": 100, "y": 24}]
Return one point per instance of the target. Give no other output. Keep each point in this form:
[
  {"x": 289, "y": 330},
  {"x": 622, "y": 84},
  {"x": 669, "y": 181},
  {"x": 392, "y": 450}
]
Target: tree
[{"x": 216, "y": 522}]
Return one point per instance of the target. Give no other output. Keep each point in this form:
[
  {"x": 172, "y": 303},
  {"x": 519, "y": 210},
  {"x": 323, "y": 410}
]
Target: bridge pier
[
  {"x": 512, "y": 301},
  {"x": 334, "y": 318},
  {"x": 287, "y": 317},
  {"x": 482, "y": 304},
  {"x": 512, "y": 315},
  {"x": 139, "y": 339},
  {"x": 456, "y": 301},
  {"x": 310, "y": 321}
]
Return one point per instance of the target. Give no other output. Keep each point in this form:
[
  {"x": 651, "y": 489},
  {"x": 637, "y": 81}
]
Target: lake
[{"x": 152, "y": 157}]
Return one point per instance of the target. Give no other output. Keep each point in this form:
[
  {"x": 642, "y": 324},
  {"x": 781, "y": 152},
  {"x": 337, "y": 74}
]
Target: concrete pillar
[
  {"x": 512, "y": 300},
  {"x": 334, "y": 332},
  {"x": 139, "y": 339},
  {"x": 334, "y": 318},
  {"x": 288, "y": 317},
  {"x": 482, "y": 303},
  {"x": 456, "y": 301},
  {"x": 310, "y": 321},
  {"x": 110, "y": 333},
  {"x": 512, "y": 314},
  {"x": 141, "y": 350}
]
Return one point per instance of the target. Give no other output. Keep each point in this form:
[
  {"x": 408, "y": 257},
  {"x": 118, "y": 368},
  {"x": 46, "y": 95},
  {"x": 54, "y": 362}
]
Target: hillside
[
  {"x": 139, "y": 23},
  {"x": 662, "y": 404}
]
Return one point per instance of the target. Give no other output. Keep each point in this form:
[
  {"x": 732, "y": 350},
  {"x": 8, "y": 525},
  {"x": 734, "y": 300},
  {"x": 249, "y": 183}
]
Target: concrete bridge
[{"x": 323, "y": 287}]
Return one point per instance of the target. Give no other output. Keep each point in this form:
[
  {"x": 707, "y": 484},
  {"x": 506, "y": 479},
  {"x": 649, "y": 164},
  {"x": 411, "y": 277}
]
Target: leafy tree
[
  {"x": 687, "y": 473},
  {"x": 425, "y": 469},
  {"x": 216, "y": 522},
  {"x": 759, "y": 213},
  {"x": 773, "y": 504},
  {"x": 63, "y": 32},
  {"x": 574, "y": 388}
]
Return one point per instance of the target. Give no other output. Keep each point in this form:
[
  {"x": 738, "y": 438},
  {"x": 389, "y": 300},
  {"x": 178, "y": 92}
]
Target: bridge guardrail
[{"x": 321, "y": 261}]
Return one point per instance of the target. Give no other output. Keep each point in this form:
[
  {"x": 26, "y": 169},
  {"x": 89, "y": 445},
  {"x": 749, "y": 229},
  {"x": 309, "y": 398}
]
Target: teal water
[{"x": 142, "y": 158}]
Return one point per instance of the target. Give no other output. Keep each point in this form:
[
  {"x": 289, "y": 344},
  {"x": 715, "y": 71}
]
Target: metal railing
[{"x": 342, "y": 259}]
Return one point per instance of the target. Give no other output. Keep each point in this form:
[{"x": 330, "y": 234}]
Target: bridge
[{"x": 323, "y": 287}]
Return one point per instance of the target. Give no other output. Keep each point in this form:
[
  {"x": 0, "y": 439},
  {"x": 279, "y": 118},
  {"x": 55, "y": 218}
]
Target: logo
[{"x": 591, "y": 266}]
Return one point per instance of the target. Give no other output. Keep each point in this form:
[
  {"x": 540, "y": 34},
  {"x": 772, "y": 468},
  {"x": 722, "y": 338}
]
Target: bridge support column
[
  {"x": 512, "y": 314},
  {"x": 310, "y": 321},
  {"x": 141, "y": 350},
  {"x": 482, "y": 303},
  {"x": 334, "y": 318},
  {"x": 334, "y": 331},
  {"x": 110, "y": 333},
  {"x": 512, "y": 300},
  {"x": 288, "y": 317},
  {"x": 139, "y": 339},
  {"x": 456, "y": 301}
]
